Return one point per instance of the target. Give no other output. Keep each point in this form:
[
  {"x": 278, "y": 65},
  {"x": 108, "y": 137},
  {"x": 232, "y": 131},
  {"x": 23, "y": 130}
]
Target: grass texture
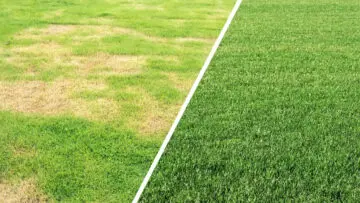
[
  {"x": 277, "y": 115},
  {"x": 89, "y": 88}
]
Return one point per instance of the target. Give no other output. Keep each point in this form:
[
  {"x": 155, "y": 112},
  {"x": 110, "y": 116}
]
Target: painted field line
[{"x": 187, "y": 101}]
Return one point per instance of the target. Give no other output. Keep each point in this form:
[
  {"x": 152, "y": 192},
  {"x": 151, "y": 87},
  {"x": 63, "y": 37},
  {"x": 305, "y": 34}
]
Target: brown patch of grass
[
  {"x": 53, "y": 14},
  {"x": 105, "y": 64},
  {"x": 2, "y": 50},
  {"x": 40, "y": 33},
  {"x": 54, "y": 55},
  {"x": 84, "y": 32},
  {"x": 97, "y": 21},
  {"x": 182, "y": 84},
  {"x": 34, "y": 96},
  {"x": 23, "y": 192},
  {"x": 20, "y": 151},
  {"x": 102, "y": 109},
  {"x": 57, "y": 29},
  {"x": 157, "y": 118},
  {"x": 193, "y": 39},
  {"x": 154, "y": 117},
  {"x": 100, "y": 31},
  {"x": 218, "y": 14},
  {"x": 139, "y": 6},
  {"x": 73, "y": 96},
  {"x": 51, "y": 54},
  {"x": 55, "y": 99},
  {"x": 40, "y": 49}
]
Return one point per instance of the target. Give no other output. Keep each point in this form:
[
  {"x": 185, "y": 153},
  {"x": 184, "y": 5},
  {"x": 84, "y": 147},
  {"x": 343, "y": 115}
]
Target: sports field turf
[
  {"x": 277, "y": 115},
  {"x": 89, "y": 88}
]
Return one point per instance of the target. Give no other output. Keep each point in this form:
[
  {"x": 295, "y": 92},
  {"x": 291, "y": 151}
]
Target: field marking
[{"x": 187, "y": 101}]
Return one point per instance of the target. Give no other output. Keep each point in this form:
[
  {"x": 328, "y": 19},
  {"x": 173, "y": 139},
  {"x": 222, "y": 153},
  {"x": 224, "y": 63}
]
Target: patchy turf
[
  {"x": 88, "y": 89},
  {"x": 26, "y": 191},
  {"x": 277, "y": 115}
]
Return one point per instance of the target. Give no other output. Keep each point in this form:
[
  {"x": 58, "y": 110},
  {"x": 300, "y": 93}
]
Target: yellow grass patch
[
  {"x": 182, "y": 84},
  {"x": 193, "y": 39},
  {"x": 55, "y": 98},
  {"x": 83, "y": 32},
  {"x": 53, "y": 14},
  {"x": 19, "y": 151},
  {"x": 34, "y": 97},
  {"x": 154, "y": 117},
  {"x": 157, "y": 118},
  {"x": 68, "y": 94},
  {"x": 39, "y": 33},
  {"x": 23, "y": 192},
  {"x": 97, "y": 21},
  {"x": 54, "y": 55},
  {"x": 106, "y": 64},
  {"x": 100, "y": 109},
  {"x": 41, "y": 49},
  {"x": 139, "y": 6},
  {"x": 2, "y": 50},
  {"x": 57, "y": 29}
]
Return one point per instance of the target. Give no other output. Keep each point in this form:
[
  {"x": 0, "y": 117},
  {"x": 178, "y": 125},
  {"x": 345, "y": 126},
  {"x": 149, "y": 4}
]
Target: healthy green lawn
[
  {"x": 89, "y": 88},
  {"x": 277, "y": 115}
]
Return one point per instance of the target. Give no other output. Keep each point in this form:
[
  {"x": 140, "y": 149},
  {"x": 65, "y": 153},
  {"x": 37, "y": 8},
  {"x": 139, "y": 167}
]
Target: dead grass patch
[
  {"x": 41, "y": 33},
  {"x": 53, "y": 14},
  {"x": 58, "y": 29},
  {"x": 34, "y": 97},
  {"x": 181, "y": 84},
  {"x": 84, "y": 32},
  {"x": 193, "y": 39},
  {"x": 2, "y": 51},
  {"x": 102, "y": 109},
  {"x": 23, "y": 192},
  {"x": 19, "y": 151},
  {"x": 55, "y": 98},
  {"x": 100, "y": 31},
  {"x": 139, "y": 6},
  {"x": 154, "y": 117},
  {"x": 97, "y": 21},
  {"x": 40, "y": 49},
  {"x": 105, "y": 64},
  {"x": 157, "y": 118},
  {"x": 53, "y": 55}
]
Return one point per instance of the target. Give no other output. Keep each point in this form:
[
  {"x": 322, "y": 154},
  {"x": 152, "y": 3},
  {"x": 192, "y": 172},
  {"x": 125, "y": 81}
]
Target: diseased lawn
[
  {"x": 89, "y": 88},
  {"x": 277, "y": 115}
]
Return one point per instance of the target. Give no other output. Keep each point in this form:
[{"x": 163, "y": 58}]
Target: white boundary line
[{"x": 187, "y": 101}]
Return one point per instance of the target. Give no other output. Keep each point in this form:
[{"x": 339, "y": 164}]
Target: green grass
[
  {"x": 73, "y": 159},
  {"x": 277, "y": 115},
  {"x": 89, "y": 88}
]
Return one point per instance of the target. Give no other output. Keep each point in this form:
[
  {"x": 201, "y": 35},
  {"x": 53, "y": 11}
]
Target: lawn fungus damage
[
  {"x": 54, "y": 98},
  {"x": 25, "y": 191},
  {"x": 83, "y": 33},
  {"x": 38, "y": 93},
  {"x": 89, "y": 94},
  {"x": 33, "y": 95}
]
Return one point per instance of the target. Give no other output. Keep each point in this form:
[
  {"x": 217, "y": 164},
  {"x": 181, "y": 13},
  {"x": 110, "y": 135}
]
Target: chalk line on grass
[{"x": 187, "y": 101}]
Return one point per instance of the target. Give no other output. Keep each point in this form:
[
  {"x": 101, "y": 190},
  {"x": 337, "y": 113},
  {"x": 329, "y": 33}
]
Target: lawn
[
  {"x": 89, "y": 88},
  {"x": 277, "y": 115}
]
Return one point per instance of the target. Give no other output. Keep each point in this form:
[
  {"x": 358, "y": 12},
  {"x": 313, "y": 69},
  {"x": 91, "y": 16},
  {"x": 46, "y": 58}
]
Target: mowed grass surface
[
  {"x": 277, "y": 115},
  {"x": 89, "y": 88}
]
